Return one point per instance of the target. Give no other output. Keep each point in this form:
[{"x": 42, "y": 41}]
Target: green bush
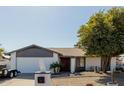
[{"x": 55, "y": 65}]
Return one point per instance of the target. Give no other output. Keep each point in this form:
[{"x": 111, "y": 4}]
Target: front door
[{"x": 65, "y": 64}]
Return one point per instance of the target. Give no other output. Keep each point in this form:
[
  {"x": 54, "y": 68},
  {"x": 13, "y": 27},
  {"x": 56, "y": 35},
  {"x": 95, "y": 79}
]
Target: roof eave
[{"x": 31, "y": 46}]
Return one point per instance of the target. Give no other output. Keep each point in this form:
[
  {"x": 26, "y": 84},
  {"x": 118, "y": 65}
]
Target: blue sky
[{"x": 44, "y": 26}]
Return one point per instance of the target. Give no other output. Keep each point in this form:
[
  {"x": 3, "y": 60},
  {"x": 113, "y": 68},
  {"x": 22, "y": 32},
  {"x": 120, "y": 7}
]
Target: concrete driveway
[
  {"x": 64, "y": 80},
  {"x": 21, "y": 80}
]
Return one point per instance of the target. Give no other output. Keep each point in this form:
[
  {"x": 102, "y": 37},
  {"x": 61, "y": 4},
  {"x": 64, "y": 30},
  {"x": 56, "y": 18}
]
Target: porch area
[
  {"x": 72, "y": 64},
  {"x": 80, "y": 64}
]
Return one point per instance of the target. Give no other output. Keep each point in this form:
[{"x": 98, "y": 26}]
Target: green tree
[
  {"x": 1, "y": 52},
  {"x": 103, "y": 35}
]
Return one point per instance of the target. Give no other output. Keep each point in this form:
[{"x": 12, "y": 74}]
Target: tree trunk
[{"x": 105, "y": 63}]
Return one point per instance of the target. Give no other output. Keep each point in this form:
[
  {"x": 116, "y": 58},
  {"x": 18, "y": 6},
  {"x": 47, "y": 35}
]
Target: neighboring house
[{"x": 30, "y": 59}]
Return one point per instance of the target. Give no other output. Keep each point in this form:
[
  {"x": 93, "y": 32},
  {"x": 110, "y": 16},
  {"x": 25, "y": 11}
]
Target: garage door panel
[
  {"x": 28, "y": 65},
  {"x": 31, "y": 65},
  {"x": 46, "y": 62}
]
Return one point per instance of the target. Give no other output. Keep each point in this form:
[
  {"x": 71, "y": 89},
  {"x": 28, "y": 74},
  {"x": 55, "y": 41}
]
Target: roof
[
  {"x": 33, "y": 45},
  {"x": 74, "y": 52},
  {"x": 69, "y": 52}
]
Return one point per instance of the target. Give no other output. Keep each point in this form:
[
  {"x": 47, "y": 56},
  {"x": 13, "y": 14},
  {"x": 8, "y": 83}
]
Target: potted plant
[
  {"x": 58, "y": 66},
  {"x": 55, "y": 67},
  {"x": 114, "y": 82},
  {"x": 52, "y": 67}
]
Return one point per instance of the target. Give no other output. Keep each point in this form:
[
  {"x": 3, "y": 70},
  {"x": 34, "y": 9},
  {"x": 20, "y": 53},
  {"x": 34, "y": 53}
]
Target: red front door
[{"x": 65, "y": 64}]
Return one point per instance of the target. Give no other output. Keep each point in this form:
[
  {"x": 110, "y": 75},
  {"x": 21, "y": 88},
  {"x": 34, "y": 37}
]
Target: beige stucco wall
[
  {"x": 96, "y": 61},
  {"x": 93, "y": 61}
]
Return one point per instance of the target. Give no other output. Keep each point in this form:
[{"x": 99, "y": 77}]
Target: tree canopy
[
  {"x": 103, "y": 34},
  {"x": 1, "y": 52}
]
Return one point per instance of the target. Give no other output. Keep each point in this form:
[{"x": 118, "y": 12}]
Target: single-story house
[{"x": 30, "y": 59}]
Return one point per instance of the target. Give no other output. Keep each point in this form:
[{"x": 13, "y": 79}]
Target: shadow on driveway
[
  {"x": 2, "y": 80},
  {"x": 25, "y": 76},
  {"x": 20, "y": 76},
  {"x": 119, "y": 77},
  {"x": 104, "y": 80}
]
